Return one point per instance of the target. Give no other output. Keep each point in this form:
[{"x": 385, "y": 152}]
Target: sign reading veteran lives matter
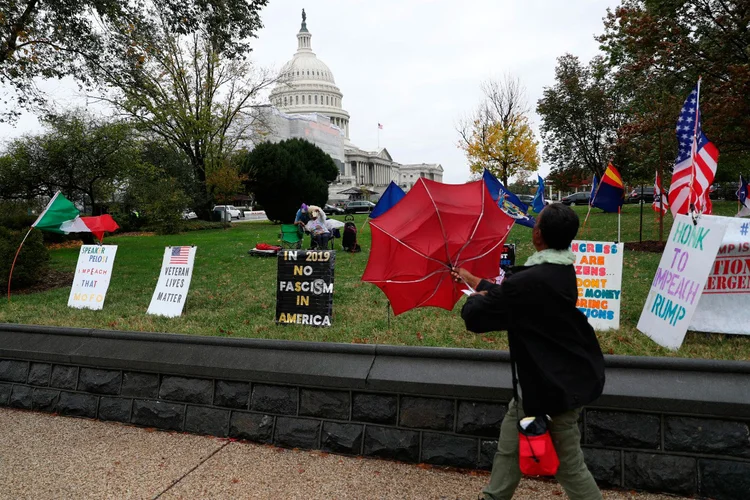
[
  {"x": 725, "y": 302},
  {"x": 679, "y": 279},
  {"x": 91, "y": 281},
  {"x": 599, "y": 279},
  {"x": 304, "y": 294},
  {"x": 174, "y": 282}
]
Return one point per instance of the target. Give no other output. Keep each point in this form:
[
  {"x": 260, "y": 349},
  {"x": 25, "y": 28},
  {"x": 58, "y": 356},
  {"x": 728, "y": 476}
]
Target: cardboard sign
[
  {"x": 680, "y": 277},
  {"x": 256, "y": 215},
  {"x": 508, "y": 257},
  {"x": 599, "y": 278},
  {"x": 174, "y": 282},
  {"x": 93, "y": 272},
  {"x": 723, "y": 307},
  {"x": 304, "y": 293}
]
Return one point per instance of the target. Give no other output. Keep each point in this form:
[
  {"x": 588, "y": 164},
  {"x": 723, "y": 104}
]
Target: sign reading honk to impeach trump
[{"x": 680, "y": 278}]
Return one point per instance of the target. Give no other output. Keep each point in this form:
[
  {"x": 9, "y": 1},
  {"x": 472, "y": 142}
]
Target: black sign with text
[
  {"x": 508, "y": 257},
  {"x": 304, "y": 293}
]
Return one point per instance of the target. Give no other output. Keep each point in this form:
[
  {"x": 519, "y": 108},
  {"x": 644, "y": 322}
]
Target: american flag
[
  {"x": 659, "y": 195},
  {"x": 179, "y": 256},
  {"x": 696, "y": 161}
]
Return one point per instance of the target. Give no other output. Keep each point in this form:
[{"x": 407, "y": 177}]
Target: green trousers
[{"x": 572, "y": 474}]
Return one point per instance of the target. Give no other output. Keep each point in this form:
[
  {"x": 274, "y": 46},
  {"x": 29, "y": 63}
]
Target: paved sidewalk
[{"x": 47, "y": 456}]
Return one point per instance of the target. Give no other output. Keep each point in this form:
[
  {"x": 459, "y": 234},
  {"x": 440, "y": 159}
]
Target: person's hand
[
  {"x": 479, "y": 293},
  {"x": 460, "y": 274}
]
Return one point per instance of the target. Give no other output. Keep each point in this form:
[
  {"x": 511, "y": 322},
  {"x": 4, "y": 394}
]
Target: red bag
[{"x": 536, "y": 453}]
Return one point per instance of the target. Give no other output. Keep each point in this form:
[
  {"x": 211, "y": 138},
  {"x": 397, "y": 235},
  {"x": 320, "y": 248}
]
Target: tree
[
  {"x": 580, "y": 117},
  {"x": 658, "y": 49},
  {"x": 498, "y": 135},
  {"x": 88, "y": 38},
  {"x": 188, "y": 93},
  {"x": 225, "y": 182},
  {"x": 286, "y": 174},
  {"x": 84, "y": 157}
]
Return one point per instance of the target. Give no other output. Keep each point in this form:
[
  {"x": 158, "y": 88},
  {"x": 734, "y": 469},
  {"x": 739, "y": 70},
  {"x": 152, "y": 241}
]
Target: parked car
[
  {"x": 230, "y": 209},
  {"x": 331, "y": 210},
  {"x": 189, "y": 215},
  {"x": 648, "y": 195},
  {"x": 580, "y": 198},
  {"x": 359, "y": 207},
  {"x": 526, "y": 198}
]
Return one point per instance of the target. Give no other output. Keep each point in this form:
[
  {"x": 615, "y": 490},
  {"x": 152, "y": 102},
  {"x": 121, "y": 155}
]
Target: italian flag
[{"x": 61, "y": 216}]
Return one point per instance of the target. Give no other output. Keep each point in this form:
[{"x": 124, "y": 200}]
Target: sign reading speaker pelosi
[
  {"x": 93, "y": 272},
  {"x": 725, "y": 302},
  {"x": 680, "y": 278},
  {"x": 174, "y": 282},
  {"x": 304, "y": 293},
  {"x": 599, "y": 279}
]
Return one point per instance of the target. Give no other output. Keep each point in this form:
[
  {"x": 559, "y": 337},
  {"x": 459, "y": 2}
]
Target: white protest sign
[
  {"x": 256, "y": 215},
  {"x": 93, "y": 272},
  {"x": 679, "y": 279},
  {"x": 599, "y": 280},
  {"x": 723, "y": 307},
  {"x": 174, "y": 282}
]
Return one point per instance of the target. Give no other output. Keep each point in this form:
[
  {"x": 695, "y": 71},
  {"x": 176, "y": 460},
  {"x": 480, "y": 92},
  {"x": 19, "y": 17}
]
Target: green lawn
[{"x": 233, "y": 294}]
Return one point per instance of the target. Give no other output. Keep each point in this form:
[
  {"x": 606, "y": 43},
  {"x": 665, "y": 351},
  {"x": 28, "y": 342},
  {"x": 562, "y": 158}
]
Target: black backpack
[{"x": 349, "y": 241}]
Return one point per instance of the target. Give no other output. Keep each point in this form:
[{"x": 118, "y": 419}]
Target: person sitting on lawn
[
  {"x": 319, "y": 234},
  {"x": 557, "y": 356},
  {"x": 303, "y": 216}
]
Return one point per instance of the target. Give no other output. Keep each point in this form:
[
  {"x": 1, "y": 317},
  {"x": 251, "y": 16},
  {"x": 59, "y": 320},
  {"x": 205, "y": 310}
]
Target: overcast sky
[{"x": 416, "y": 65}]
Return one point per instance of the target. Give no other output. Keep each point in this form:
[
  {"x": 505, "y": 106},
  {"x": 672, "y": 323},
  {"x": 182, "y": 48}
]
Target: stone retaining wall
[{"x": 630, "y": 440}]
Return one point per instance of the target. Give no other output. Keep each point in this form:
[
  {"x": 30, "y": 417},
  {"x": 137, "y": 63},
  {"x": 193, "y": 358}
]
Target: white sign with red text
[{"x": 93, "y": 272}]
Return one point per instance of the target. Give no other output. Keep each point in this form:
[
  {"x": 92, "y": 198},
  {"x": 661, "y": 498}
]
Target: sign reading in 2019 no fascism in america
[{"x": 304, "y": 293}]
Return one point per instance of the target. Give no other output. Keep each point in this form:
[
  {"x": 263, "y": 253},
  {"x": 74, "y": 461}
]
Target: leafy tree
[
  {"x": 580, "y": 116},
  {"x": 225, "y": 182},
  {"x": 190, "y": 94},
  {"x": 286, "y": 174},
  {"x": 84, "y": 157},
  {"x": 159, "y": 199},
  {"x": 90, "y": 38},
  {"x": 498, "y": 136}
]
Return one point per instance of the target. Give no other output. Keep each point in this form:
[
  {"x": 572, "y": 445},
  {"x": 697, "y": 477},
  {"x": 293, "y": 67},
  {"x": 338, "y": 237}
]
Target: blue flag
[
  {"x": 742, "y": 196},
  {"x": 507, "y": 201},
  {"x": 538, "y": 204},
  {"x": 593, "y": 190},
  {"x": 388, "y": 199}
]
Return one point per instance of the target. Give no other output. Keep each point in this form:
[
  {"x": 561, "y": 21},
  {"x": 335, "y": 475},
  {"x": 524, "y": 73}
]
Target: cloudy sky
[{"x": 416, "y": 65}]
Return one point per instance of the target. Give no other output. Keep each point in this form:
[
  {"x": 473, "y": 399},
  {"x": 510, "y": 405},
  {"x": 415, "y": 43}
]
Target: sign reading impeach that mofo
[
  {"x": 174, "y": 282},
  {"x": 93, "y": 272},
  {"x": 680, "y": 278},
  {"x": 304, "y": 293},
  {"x": 599, "y": 279}
]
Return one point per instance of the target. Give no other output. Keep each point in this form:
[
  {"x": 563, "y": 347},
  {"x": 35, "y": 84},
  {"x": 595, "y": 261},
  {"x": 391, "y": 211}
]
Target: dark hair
[{"x": 558, "y": 224}]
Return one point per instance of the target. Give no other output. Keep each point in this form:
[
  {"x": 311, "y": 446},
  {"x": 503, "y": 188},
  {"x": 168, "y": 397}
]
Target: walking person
[{"x": 558, "y": 360}]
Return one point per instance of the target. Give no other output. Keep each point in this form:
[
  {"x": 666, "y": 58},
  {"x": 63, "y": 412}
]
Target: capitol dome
[{"x": 306, "y": 85}]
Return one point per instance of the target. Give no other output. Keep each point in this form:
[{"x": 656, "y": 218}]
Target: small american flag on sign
[{"x": 179, "y": 256}]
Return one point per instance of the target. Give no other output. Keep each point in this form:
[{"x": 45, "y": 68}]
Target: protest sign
[
  {"x": 599, "y": 279},
  {"x": 91, "y": 280},
  {"x": 680, "y": 277},
  {"x": 508, "y": 257},
  {"x": 723, "y": 307},
  {"x": 256, "y": 215},
  {"x": 304, "y": 293},
  {"x": 174, "y": 282}
]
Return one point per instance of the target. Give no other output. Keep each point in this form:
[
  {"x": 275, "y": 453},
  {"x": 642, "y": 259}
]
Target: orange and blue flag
[{"x": 610, "y": 193}]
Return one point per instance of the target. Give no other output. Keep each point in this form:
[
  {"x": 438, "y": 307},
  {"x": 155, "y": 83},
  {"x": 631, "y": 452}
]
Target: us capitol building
[{"x": 307, "y": 104}]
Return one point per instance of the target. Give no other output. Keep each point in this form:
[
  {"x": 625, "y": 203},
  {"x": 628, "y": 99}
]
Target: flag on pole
[
  {"x": 380, "y": 126},
  {"x": 695, "y": 166},
  {"x": 392, "y": 195},
  {"x": 62, "y": 217},
  {"x": 538, "y": 204},
  {"x": 507, "y": 201},
  {"x": 742, "y": 193},
  {"x": 659, "y": 195},
  {"x": 610, "y": 193},
  {"x": 594, "y": 186}
]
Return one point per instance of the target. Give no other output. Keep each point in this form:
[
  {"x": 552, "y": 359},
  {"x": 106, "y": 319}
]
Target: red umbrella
[{"x": 433, "y": 228}]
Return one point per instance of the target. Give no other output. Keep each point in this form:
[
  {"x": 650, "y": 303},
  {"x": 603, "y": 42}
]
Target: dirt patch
[
  {"x": 52, "y": 279},
  {"x": 646, "y": 246}
]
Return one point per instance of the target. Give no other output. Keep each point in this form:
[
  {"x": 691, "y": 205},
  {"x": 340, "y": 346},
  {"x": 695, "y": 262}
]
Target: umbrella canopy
[{"x": 433, "y": 228}]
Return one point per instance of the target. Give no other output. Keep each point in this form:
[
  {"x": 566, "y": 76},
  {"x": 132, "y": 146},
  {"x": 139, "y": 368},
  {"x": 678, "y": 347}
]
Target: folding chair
[{"x": 291, "y": 236}]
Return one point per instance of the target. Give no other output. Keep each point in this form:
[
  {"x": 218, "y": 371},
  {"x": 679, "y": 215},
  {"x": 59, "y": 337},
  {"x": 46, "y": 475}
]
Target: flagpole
[
  {"x": 10, "y": 275},
  {"x": 619, "y": 209},
  {"x": 693, "y": 148}
]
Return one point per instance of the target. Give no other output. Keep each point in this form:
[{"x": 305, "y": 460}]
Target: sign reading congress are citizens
[
  {"x": 599, "y": 279},
  {"x": 174, "y": 282},
  {"x": 680, "y": 278},
  {"x": 93, "y": 272},
  {"x": 304, "y": 293}
]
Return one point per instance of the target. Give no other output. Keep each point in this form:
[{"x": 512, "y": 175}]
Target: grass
[{"x": 233, "y": 294}]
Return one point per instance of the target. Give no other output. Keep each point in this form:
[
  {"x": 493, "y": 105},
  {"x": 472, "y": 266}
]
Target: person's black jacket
[{"x": 560, "y": 364}]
